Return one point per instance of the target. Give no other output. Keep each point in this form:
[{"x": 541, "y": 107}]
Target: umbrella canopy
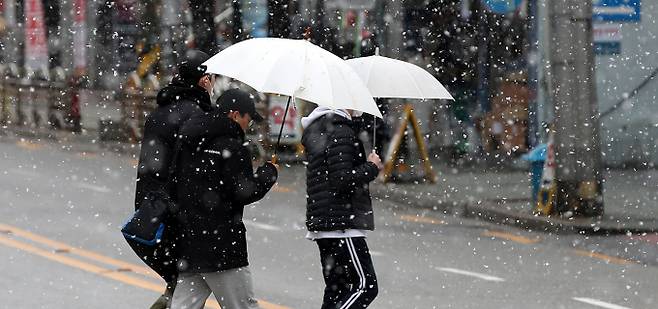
[
  {"x": 391, "y": 78},
  {"x": 295, "y": 68}
]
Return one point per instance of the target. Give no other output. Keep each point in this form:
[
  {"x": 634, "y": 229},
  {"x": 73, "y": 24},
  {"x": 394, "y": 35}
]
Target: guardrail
[{"x": 66, "y": 105}]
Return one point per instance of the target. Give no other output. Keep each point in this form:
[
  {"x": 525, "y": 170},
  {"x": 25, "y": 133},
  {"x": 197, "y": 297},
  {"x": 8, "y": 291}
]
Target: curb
[
  {"x": 401, "y": 196},
  {"x": 557, "y": 225},
  {"x": 491, "y": 211}
]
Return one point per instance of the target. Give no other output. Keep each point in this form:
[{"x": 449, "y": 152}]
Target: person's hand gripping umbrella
[{"x": 390, "y": 78}]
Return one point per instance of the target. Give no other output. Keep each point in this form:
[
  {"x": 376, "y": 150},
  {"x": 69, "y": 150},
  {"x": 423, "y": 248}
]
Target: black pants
[{"x": 348, "y": 272}]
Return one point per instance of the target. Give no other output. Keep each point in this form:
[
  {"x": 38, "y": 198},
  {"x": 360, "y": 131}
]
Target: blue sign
[
  {"x": 502, "y": 6},
  {"x": 607, "y": 48},
  {"x": 254, "y": 18},
  {"x": 616, "y": 10}
]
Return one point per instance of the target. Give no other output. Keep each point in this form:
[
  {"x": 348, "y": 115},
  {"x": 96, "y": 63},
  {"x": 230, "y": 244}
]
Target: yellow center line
[
  {"x": 58, "y": 246},
  {"x": 606, "y": 258},
  {"x": 86, "y": 154},
  {"x": 116, "y": 274},
  {"x": 511, "y": 237},
  {"x": 29, "y": 145},
  {"x": 421, "y": 219},
  {"x": 81, "y": 265}
]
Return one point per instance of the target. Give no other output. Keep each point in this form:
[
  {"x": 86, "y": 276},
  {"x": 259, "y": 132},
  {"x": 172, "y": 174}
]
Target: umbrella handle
[{"x": 276, "y": 148}]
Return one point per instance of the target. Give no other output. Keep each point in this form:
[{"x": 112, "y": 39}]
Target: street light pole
[{"x": 577, "y": 145}]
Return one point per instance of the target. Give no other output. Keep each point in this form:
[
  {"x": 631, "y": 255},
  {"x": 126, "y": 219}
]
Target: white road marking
[
  {"x": 376, "y": 253},
  {"x": 91, "y": 187},
  {"x": 262, "y": 226},
  {"x": 596, "y": 302},
  {"x": 470, "y": 274}
]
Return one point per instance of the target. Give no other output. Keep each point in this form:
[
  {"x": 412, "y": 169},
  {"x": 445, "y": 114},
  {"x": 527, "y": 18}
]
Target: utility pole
[
  {"x": 577, "y": 146},
  {"x": 484, "y": 58},
  {"x": 533, "y": 60}
]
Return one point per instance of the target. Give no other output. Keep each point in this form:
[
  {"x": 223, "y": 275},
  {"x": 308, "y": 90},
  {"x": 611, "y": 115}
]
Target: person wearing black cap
[
  {"x": 187, "y": 95},
  {"x": 214, "y": 182}
]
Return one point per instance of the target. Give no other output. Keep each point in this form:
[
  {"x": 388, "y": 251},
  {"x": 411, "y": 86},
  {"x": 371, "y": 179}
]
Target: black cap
[
  {"x": 191, "y": 68},
  {"x": 240, "y": 101}
]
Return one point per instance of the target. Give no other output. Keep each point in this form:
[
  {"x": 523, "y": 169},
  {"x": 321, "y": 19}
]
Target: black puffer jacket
[
  {"x": 337, "y": 176},
  {"x": 177, "y": 102},
  {"x": 214, "y": 181}
]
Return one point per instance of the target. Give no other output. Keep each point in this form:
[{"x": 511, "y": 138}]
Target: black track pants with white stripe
[{"x": 348, "y": 272}]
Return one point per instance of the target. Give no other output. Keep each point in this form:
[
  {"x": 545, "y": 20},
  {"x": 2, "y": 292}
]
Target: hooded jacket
[
  {"x": 214, "y": 181},
  {"x": 337, "y": 174},
  {"x": 177, "y": 102}
]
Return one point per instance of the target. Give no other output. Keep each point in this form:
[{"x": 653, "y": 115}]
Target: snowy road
[{"x": 60, "y": 248}]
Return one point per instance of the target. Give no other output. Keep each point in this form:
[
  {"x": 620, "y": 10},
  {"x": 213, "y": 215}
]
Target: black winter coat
[
  {"x": 214, "y": 181},
  {"x": 177, "y": 103},
  {"x": 337, "y": 177}
]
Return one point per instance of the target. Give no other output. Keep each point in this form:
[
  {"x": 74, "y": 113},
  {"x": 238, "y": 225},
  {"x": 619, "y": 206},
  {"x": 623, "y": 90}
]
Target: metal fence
[{"x": 66, "y": 105}]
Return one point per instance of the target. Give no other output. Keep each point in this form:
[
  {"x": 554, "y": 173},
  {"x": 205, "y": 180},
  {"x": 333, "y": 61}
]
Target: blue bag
[{"x": 147, "y": 224}]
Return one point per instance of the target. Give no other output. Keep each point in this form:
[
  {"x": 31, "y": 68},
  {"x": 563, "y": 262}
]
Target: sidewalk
[{"x": 503, "y": 196}]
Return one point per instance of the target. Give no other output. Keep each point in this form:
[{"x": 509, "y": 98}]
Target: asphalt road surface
[{"x": 60, "y": 247}]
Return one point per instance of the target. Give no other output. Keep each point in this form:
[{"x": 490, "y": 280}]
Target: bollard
[
  {"x": 148, "y": 104},
  {"x": 73, "y": 110},
  {"x": 130, "y": 107},
  {"x": 27, "y": 111},
  {"x": 9, "y": 99},
  {"x": 22, "y": 95},
  {"x": 56, "y": 104},
  {"x": 41, "y": 94},
  {"x": 4, "y": 113}
]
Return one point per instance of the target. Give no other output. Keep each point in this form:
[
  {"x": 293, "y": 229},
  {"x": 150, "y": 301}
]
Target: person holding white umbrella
[
  {"x": 339, "y": 208},
  {"x": 391, "y": 78}
]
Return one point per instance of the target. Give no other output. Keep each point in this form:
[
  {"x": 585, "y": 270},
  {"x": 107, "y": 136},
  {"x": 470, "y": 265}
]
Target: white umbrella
[
  {"x": 295, "y": 68},
  {"x": 391, "y": 78}
]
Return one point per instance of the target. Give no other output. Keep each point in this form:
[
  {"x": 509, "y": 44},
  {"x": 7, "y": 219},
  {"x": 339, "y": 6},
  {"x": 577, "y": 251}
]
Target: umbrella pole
[
  {"x": 374, "y": 134},
  {"x": 281, "y": 131}
]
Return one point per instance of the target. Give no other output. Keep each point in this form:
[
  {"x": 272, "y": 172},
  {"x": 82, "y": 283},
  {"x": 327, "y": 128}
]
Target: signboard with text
[
  {"x": 36, "y": 46},
  {"x": 607, "y": 38},
  {"x": 79, "y": 37},
  {"x": 292, "y": 129},
  {"x": 616, "y": 10},
  {"x": 350, "y": 4},
  {"x": 502, "y": 6}
]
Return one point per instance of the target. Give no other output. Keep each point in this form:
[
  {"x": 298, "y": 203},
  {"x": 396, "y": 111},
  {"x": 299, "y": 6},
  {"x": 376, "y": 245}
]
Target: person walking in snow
[
  {"x": 339, "y": 207},
  {"x": 187, "y": 95},
  {"x": 215, "y": 181}
]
